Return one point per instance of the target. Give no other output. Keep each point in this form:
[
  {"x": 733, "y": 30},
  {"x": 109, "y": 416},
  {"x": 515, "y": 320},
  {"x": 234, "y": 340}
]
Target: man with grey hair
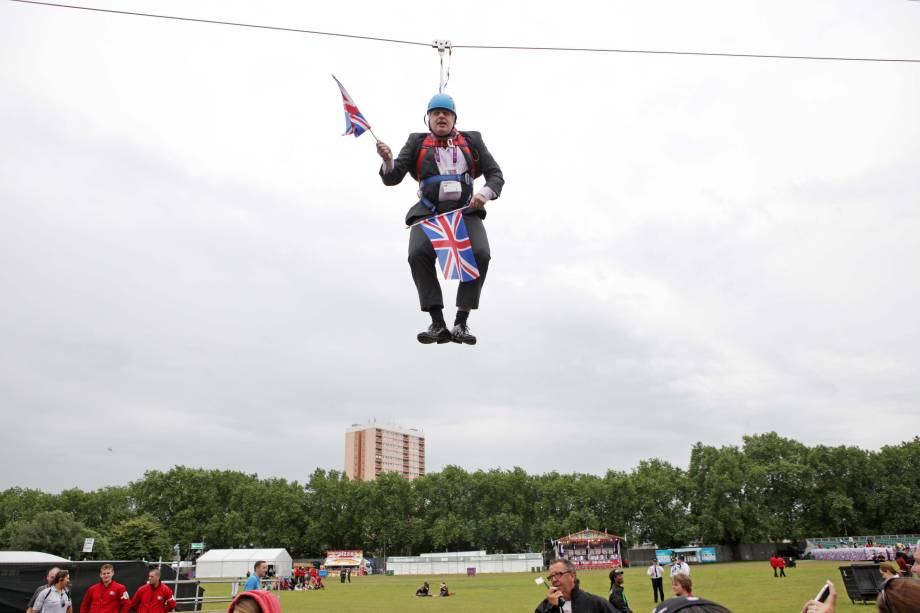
[
  {"x": 565, "y": 595},
  {"x": 49, "y": 581}
]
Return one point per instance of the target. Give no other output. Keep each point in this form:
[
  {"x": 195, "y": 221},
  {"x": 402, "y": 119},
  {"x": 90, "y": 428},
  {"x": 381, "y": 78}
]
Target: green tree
[
  {"x": 661, "y": 504},
  {"x": 139, "y": 538},
  {"x": 57, "y": 533}
]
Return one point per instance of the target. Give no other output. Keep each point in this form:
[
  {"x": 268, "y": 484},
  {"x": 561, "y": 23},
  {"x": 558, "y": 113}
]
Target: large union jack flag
[
  {"x": 451, "y": 242},
  {"x": 355, "y": 123}
]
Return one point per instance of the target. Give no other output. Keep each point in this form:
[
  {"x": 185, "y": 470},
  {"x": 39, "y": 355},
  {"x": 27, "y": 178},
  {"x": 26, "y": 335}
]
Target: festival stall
[
  {"x": 691, "y": 555},
  {"x": 590, "y": 549},
  {"x": 347, "y": 559}
]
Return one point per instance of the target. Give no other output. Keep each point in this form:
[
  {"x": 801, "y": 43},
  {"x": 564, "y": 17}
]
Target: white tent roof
[
  {"x": 243, "y": 555},
  {"x": 29, "y": 557}
]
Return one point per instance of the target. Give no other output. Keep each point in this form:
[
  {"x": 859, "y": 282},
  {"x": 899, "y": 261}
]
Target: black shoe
[
  {"x": 436, "y": 333},
  {"x": 461, "y": 334}
]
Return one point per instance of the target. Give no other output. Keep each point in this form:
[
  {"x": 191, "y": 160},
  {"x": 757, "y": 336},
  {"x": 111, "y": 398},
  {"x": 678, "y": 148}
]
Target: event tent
[
  {"x": 29, "y": 557},
  {"x": 226, "y": 563}
]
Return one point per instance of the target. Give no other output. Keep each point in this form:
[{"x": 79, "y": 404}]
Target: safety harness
[{"x": 455, "y": 141}]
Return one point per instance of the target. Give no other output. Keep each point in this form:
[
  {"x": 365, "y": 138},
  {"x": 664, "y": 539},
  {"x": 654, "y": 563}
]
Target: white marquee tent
[
  {"x": 231, "y": 563},
  {"x": 29, "y": 557},
  {"x": 460, "y": 562}
]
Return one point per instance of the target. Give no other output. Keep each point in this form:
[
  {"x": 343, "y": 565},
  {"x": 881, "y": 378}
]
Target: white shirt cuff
[
  {"x": 388, "y": 166},
  {"x": 486, "y": 192}
]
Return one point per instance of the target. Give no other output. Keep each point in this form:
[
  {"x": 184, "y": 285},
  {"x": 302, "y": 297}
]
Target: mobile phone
[{"x": 824, "y": 593}]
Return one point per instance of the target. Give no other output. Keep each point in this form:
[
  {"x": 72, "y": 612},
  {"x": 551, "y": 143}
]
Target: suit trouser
[
  {"x": 422, "y": 261},
  {"x": 658, "y": 588}
]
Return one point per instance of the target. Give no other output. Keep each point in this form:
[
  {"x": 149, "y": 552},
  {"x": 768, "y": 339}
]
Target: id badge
[{"x": 450, "y": 190}]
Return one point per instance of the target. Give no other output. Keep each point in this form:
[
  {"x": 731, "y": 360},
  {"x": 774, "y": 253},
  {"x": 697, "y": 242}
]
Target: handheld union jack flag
[
  {"x": 355, "y": 123},
  {"x": 451, "y": 242}
]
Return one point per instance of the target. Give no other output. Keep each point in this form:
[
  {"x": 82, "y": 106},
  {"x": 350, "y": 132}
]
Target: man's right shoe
[{"x": 436, "y": 333}]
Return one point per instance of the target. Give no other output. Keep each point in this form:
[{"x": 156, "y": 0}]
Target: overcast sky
[{"x": 197, "y": 267}]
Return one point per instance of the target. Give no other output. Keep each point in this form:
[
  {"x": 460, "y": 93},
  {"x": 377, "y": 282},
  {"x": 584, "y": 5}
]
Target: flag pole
[{"x": 435, "y": 216}]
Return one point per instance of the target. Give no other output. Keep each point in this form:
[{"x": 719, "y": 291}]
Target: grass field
[{"x": 743, "y": 587}]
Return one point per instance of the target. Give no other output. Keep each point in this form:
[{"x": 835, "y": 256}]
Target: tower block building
[{"x": 371, "y": 450}]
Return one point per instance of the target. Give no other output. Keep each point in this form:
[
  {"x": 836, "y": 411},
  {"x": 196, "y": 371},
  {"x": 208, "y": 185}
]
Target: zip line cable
[{"x": 493, "y": 47}]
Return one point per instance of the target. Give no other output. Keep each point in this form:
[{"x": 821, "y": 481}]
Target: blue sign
[
  {"x": 664, "y": 556},
  {"x": 707, "y": 554}
]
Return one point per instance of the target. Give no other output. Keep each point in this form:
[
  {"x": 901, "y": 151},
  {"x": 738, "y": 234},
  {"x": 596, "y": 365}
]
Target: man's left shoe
[{"x": 461, "y": 334}]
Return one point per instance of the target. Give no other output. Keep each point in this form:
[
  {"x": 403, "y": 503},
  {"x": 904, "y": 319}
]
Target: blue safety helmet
[{"x": 442, "y": 101}]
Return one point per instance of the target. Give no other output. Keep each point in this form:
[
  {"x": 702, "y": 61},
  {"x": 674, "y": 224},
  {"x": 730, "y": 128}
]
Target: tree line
[{"x": 768, "y": 489}]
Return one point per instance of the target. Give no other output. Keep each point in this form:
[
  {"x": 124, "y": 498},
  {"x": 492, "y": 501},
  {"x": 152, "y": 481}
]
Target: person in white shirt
[
  {"x": 680, "y": 567},
  {"x": 656, "y": 572},
  {"x": 55, "y": 598}
]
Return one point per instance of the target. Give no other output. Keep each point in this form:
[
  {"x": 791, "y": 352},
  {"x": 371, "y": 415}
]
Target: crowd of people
[
  {"x": 302, "y": 577},
  {"x": 900, "y": 592}
]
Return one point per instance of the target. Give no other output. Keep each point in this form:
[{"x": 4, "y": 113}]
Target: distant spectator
[
  {"x": 107, "y": 596},
  {"x": 443, "y": 591},
  {"x": 153, "y": 597},
  {"x": 774, "y": 564},
  {"x": 682, "y": 585},
  {"x": 49, "y": 581},
  {"x": 680, "y": 567},
  {"x": 425, "y": 590},
  {"x": 690, "y": 604},
  {"x": 901, "y": 559},
  {"x": 341, "y": 575},
  {"x": 781, "y": 564},
  {"x": 55, "y": 598},
  {"x": 255, "y": 579},
  {"x": 617, "y": 593},
  {"x": 655, "y": 573}
]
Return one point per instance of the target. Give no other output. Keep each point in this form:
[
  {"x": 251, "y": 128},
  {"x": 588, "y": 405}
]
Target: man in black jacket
[
  {"x": 565, "y": 596},
  {"x": 617, "y": 593},
  {"x": 445, "y": 162}
]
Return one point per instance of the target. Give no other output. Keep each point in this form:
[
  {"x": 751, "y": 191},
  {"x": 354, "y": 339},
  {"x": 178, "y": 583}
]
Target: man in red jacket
[
  {"x": 107, "y": 596},
  {"x": 153, "y": 597}
]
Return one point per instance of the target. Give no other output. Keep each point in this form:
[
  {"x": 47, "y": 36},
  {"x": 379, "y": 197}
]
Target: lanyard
[{"x": 437, "y": 155}]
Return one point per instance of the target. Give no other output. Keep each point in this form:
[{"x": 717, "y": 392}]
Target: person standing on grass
[
  {"x": 49, "y": 581},
  {"x": 682, "y": 585},
  {"x": 154, "y": 596},
  {"x": 566, "y": 596},
  {"x": 656, "y": 573},
  {"x": 680, "y": 567},
  {"x": 54, "y": 598},
  {"x": 781, "y": 565},
  {"x": 107, "y": 596},
  {"x": 255, "y": 579},
  {"x": 617, "y": 593}
]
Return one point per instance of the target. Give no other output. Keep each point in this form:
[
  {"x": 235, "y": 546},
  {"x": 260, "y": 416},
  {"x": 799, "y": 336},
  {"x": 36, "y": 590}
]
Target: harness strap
[
  {"x": 431, "y": 141},
  {"x": 463, "y": 178}
]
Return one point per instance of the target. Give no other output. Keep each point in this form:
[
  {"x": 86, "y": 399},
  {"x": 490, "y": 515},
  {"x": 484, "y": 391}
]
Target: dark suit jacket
[
  {"x": 582, "y": 602},
  {"x": 407, "y": 159}
]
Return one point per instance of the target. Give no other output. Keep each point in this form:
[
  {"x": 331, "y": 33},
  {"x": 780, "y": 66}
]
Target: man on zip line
[{"x": 445, "y": 162}]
